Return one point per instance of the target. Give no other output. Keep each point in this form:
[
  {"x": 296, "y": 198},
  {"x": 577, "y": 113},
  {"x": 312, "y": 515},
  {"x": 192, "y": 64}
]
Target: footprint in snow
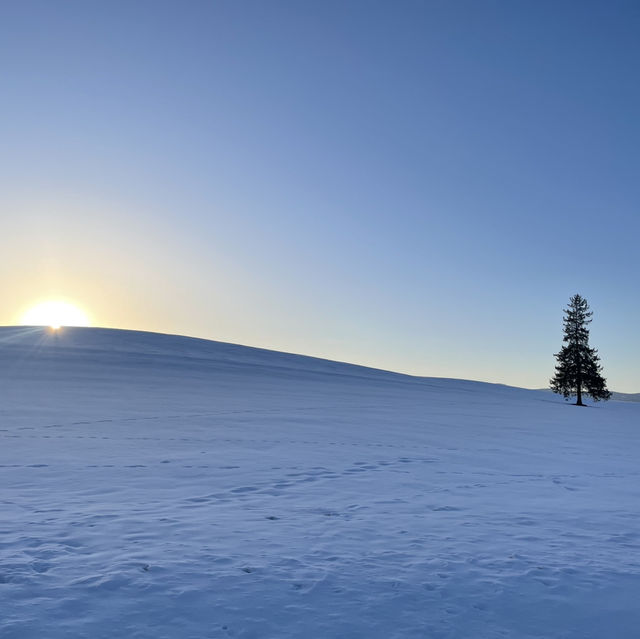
[{"x": 244, "y": 489}]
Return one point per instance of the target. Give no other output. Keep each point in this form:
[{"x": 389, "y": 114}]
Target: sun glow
[{"x": 55, "y": 314}]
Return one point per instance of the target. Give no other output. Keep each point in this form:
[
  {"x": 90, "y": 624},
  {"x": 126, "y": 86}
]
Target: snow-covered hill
[
  {"x": 156, "y": 486},
  {"x": 626, "y": 397}
]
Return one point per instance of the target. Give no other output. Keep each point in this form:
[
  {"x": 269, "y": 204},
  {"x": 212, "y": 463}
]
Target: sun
[{"x": 55, "y": 314}]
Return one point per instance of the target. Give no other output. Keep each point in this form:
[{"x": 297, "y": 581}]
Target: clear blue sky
[{"x": 411, "y": 185}]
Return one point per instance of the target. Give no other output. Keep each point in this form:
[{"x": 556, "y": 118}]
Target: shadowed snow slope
[{"x": 156, "y": 486}]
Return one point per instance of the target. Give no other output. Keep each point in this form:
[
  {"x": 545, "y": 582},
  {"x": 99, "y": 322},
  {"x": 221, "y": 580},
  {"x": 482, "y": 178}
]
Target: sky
[{"x": 418, "y": 186}]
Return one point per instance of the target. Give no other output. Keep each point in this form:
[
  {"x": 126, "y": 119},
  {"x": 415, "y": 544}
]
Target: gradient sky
[{"x": 417, "y": 186}]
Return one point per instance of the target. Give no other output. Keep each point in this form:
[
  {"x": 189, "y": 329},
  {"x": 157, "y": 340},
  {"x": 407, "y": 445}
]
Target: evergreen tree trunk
[
  {"x": 579, "y": 400},
  {"x": 579, "y": 384}
]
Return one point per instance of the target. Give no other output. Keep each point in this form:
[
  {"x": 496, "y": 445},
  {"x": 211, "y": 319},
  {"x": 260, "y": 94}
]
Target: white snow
[{"x": 155, "y": 486}]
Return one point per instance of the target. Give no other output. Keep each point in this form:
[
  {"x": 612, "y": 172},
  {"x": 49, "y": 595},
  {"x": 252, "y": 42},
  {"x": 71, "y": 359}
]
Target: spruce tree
[{"x": 578, "y": 370}]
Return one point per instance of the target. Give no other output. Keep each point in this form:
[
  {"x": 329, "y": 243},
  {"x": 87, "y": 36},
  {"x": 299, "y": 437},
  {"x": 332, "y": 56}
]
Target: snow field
[{"x": 156, "y": 486}]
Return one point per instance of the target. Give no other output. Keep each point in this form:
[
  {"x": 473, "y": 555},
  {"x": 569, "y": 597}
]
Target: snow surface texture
[{"x": 165, "y": 487}]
